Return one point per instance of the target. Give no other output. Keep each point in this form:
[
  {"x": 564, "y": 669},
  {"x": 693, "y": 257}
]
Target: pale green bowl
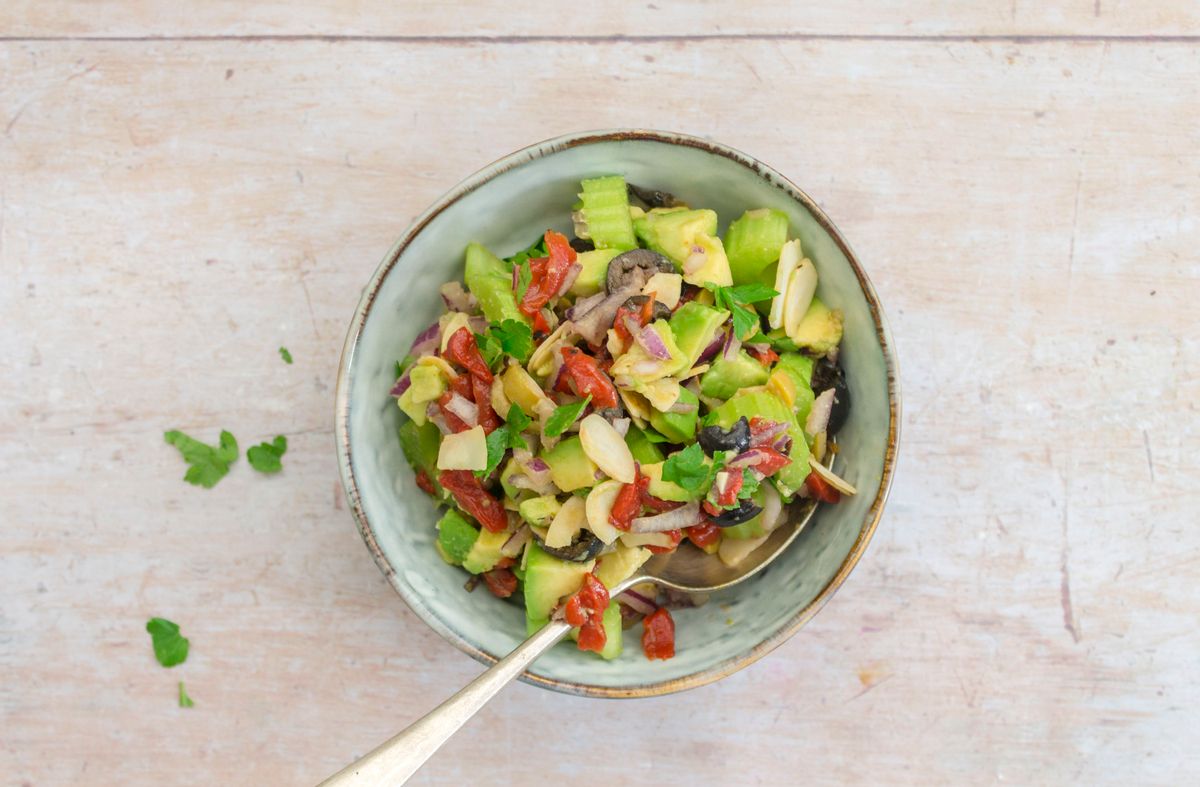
[{"x": 503, "y": 206}]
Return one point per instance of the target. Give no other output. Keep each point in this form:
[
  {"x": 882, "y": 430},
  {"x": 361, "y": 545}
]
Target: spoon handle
[{"x": 395, "y": 760}]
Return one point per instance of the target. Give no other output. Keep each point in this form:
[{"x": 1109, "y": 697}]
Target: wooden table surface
[{"x": 183, "y": 190}]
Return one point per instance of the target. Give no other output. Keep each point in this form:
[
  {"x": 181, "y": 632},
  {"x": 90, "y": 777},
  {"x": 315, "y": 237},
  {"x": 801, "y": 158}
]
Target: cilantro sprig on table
[
  {"x": 206, "y": 464},
  {"x": 285, "y": 354},
  {"x": 170, "y": 647},
  {"x": 564, "y": 416},
  {"x": 737, "y": 299},
  {"x": 266, "y": 457}
]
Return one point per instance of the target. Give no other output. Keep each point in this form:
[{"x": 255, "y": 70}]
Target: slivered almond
[
  {"x": 831, "y": 478},
  {"x": 789, "y": 257},
  {"x": 801, "y": 287},
  {"x": 605, "y": 446}
]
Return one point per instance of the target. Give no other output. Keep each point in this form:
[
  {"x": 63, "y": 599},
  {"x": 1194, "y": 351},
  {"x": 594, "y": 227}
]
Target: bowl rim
[{"x": 479, "y": 178}]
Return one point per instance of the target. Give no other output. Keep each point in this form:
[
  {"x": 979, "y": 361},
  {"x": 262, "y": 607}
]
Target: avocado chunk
[
  {"x": 491, "y": 283},
  {"x": 694, "y": 327},
  {"x": 751, "y": 528},
  {"x": 539, "y": 511},
  {"x": 671, "y": 231},
  {"x": 594, "y": 272},
  {"x": 618, "y": 566},
  {"x": 420, "y": 444},
  {"x": 547, "y": 580},
  {"x": 456, "y": 536},
  {"x": 426, "y": 384},
  {"x": 726, "y": 377},
  {"x": 612, "y": 632},
  {"x": 753, "y": 243},
  {"x": 485, "y": 552},
  {"x": 644, "y": 452},
  {"x": 766, "y": 405},
  {"x": 665, "y": 490},
  {"x": 570, "y": 467},
  {"x": 820, "y": 330},
  {"x": 678, "y": 427},
  {"x": 798, "y": 369}
]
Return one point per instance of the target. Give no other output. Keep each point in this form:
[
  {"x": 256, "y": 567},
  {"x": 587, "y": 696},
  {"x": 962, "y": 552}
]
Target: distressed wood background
[{"x": 186, "y": 187}]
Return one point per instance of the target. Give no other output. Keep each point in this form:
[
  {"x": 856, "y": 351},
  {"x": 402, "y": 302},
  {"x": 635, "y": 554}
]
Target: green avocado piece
[
  {"x": 726, "y": 377},
  {"x": 672, "y": 231},
  {"x": 753, "y": 243},
  {"x": 491, "y": 283},
  {"x": 420, "y": 444},
  {"x": 678, "y": 427},
  {"x": 799, "y": 369},
  {"x": 456, "y": 536},
  {"x": 751, "y": 528},
  {"x": 766, "y": 405},
  {"x": 592, "y": 277},
  {"x": 664, "y": 490},
  {"x": 547, "y": 580},
  {"x": 612, "y": 632},
  {"x": 694, "y": 327},
  {"x": 644, "y": 452},
  {"x": 570, "y": 467},
  {"x": 615, "y": 567},
  {"x": 539, "y": 511},
  {"x": 485, "y": 552},
  {"x": 820, "y": 329}
]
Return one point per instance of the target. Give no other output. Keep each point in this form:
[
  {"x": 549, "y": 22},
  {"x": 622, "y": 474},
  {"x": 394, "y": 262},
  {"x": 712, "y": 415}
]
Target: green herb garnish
[
  {"x": 265, "y": 457},
  {"x": 184, "y": 700},
  {"x": 524, "y": 278},
  {"x": 564, "y": 416},
  {"x": 515, "y": 338},
  {"x": 170, "y": 647},
  {"x": 503, "y": 438},
  {"x": 688, "y": 469},
  {"x": 489, "y": 348},
  {"x": 285, "y": 355},
  {"x": 750, "y": 484},
  {"x": 779, "y": 344},
  {"x": 736, "y": 300},
  {"x": 207, "y": 465},
  {"x": 517, "y": 422},
  {"x": 538, "y": 249}
]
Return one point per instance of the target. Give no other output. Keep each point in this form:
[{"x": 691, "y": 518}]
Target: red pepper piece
[
  {"x": 658, "y": 635},
  {"x": 820, "y": 489},
  {"x": 462, "y": 350},
  {"x": 773, "y": 463},
  {"x": 728, "y": 496},
  {"x": 585, "y": 374},
  {"x": 675, "y": 535},
  {"x": 765, "y": 357},
  {"x": 425, "y": 483},
  {"x": 474, "y": 499},
  {"x": 629, "y": 501},
  {"x": 455, "y": 423},
  {"x": 548, "y": 274},
  {"x": 483, "y": 400},
  {"x": 703, "y": 534},
  {"x": 501, "y": 581}
]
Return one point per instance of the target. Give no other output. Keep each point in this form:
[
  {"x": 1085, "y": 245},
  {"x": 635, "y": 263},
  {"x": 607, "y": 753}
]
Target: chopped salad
[{"x": 642, "y": 387}]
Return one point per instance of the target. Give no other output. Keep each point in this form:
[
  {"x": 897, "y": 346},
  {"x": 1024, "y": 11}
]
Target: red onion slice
[
  {"x": 457, "y": 299},
  {"x": 637, "y": 602},
  {"x": 516, "y": 278},
  {"x": 464, "y": 408},
  {"x": 402, "y": 385},
  {"x": 516, "y": 542},
  {"x": 684, "y": 516},
  {"x": 584, "y": 305},
  {"x": 696, "y": 260},
  {"x": 732, "y": 345},
  {"x": 768, "y": 431},
  {"x": 652, "y": 343},
  {"x": 621, "y": 425},
  {"x": 572, "y": 275},
  {"x": 434, "y": 414},
  {"x": 426, "y": 342},
  {"x": 711, "y": 350},
  {"x": 748, "y": 458}
]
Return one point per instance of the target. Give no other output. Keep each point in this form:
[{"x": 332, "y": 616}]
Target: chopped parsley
[
  {"x": 206, "y": 465},
  {"x": 184, "y": 700},
  {"x": 688, "y": 469},
  {"x": 285, "y": 355},
  {"x": 538, "y": 249},
  {"x": 564, "y": 416},
  {"x": 503, "y": 438},
  {"x": 489, "y": 348},
  {"x": 750, "y": 484},
  {"x": 524, "y": 278},
  {"x": 170, "y": 647},
  {"x": 514, "y": 337},
  {"x": 779, "y": 343},
  {"x": 737, "y": 300},
  {"x": 266, "y": 457}
]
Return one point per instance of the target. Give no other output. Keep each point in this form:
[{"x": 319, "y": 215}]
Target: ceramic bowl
[{"x": 503, "y": 206}]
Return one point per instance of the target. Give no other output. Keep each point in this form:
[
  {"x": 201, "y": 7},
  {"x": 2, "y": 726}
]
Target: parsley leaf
[
  {"x": 489, "y": 348},
  {"x": 688, "y": 469},
  {"x": 564, "y": 416},
  {"x": 170, "y": 647},
  {"x": 184, "y": 700},
  {"x": 779, "y": 343},
  {"x": 285, "y": 355},
  {"x": 503, "y": 438},
  {"x": 514, "y": 337},
  {"x": 265, "y": 457},
  {"x": 735, "y": 299},
  {"x": 517, "y": 422},
  {"x": 207, "y": 465},
  {"x": 538, "y": 249},
  {"x": 750, "y": 484},
  {"x": 524, "y": 278}
]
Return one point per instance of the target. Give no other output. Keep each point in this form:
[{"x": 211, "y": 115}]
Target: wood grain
[{"x": 172, "y": 212}]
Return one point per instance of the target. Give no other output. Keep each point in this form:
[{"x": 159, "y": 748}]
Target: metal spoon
[{"x": 687, "y": 569}]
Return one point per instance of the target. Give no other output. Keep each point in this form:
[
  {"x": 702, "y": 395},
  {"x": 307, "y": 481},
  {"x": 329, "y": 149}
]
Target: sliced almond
[
  {"x": 605, "y": 446},
  {"x": 567, "y": 523},
  {"x": 636, "y": 404},
  {"x": 463, "y": 451},
  {"x": 647, "y": 539},
  {"x": 831, "y": 478},
  {"x": 801, "y": 288},
  {"x": 661, "y": 394},
  {"x": 666, "y": 288},
  {"x": 500, "y": 402},
  {"x": 543, "y": 356},
  {"x": 523, "y": 390},
  {"x": 789, "y": 257},
  {"x": 598, "y": 506}
]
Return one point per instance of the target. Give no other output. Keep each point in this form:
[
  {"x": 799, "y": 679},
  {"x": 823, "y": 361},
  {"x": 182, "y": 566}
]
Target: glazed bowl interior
[{"x": 506, "y": 206}]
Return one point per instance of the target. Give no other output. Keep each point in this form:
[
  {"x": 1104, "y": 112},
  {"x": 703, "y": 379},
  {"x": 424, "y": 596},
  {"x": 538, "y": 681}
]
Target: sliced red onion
[
  {"x": 818, "y": 416},
  {"x": 621, "y": 425},
  {"x": 584, "y": 305},
  {"x": 748, "y": 458},
  {"x": 426, "y": 342},
  {"x": 536, "y": 472},
  {"x": 712, "y": 349},
  {"x": 457, "y": 299},
  {"x": 768, "y": 431},
  {"x": 402, "y": 385},
  {"x": 653, "y": 344},
  {"x": 464, "y": 408},
  {"x": 732, "y": 345},
  {"x": 631, "y": 325},
  {"x": 477, "y": 324},
  {"x": 623, "y": 381},
  {"x": 684, "y": 516},
  {"x": 537, "y": 465},
  {"x": 572, "y": 275},
  {"x": 783, "y": 444},
  {"x": 434, "y": 414},
  {"x": 693, "y": 385},
  {"x": 516, "y": 542},
  {"x": 557, "y": 375},
  {"x": 637, "y": 602}
]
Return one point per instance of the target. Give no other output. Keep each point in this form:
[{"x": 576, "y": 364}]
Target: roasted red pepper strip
[
  {"x": 548, "y": 274},
  {"x": 501, "y": 581},
  {"x": 765, "y": 357},
  {"x": 585, "y": 609},
  {"x": 728, "y": 496},
  {"x": 658, "y": 635},
  {"x": 424, "y": 482},
  {"x": 483, "y": 401},
  {"x": 592, "y": 635},
  {"x": 474, "y": 499},
  {"x": 588, "y": 379},
  {"x": 703, "y": 534},
  {"x": 820, "y": 489},
  {"x": 629, "y": 501},
  {"x": 462, "y": 350},
  {"x": 675, "y": 535},
  {"x": 658, "y": 505},
  {"x": 773, "y": 463}
]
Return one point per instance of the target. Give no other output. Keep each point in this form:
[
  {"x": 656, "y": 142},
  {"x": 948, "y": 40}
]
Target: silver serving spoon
[{"x": 687, "y": 569}]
